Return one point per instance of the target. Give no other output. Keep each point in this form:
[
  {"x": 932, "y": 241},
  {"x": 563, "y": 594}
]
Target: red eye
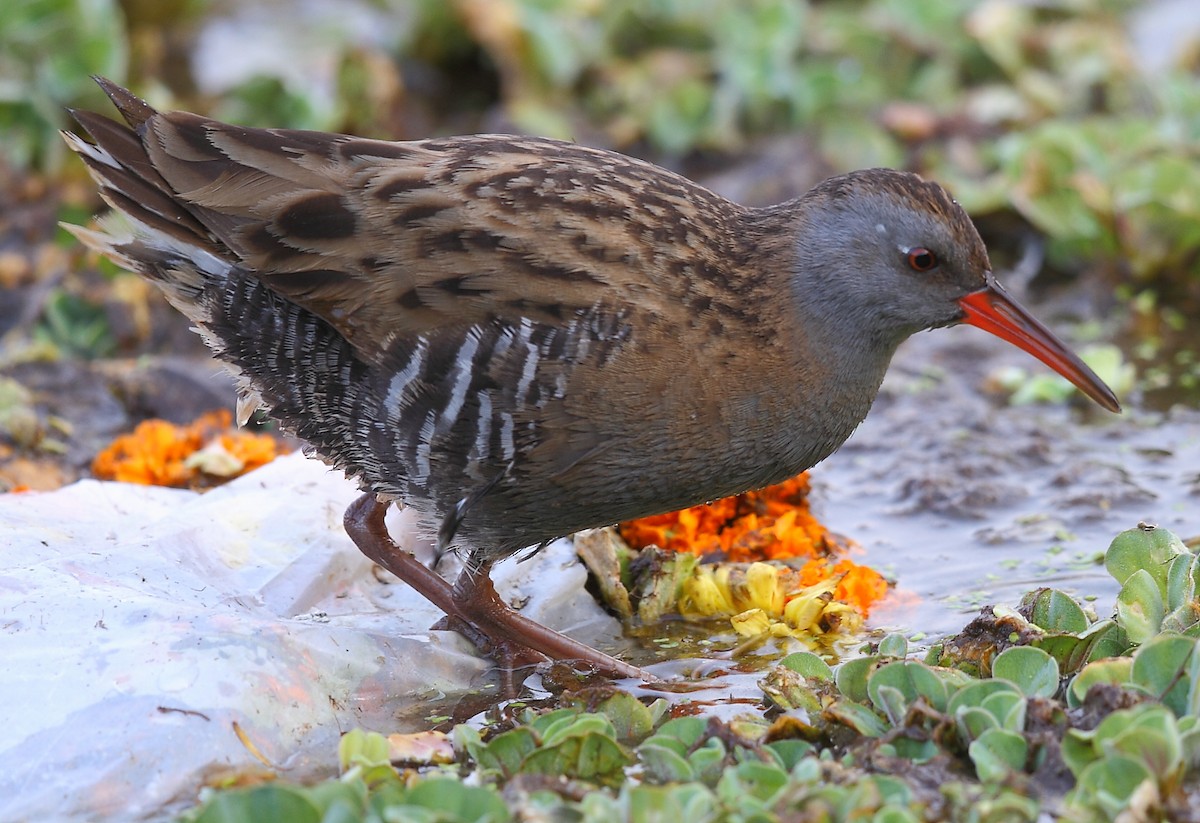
[{"x": 922, "y": 259}]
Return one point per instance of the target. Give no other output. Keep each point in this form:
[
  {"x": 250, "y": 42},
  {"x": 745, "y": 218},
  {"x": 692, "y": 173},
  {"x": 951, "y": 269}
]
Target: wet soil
[{"x": 968, "y": 501}]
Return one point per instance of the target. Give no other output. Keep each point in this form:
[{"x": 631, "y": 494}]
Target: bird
[{"x": 519, "y": 338}]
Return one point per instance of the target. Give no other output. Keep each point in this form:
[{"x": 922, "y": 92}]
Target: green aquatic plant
[{"x": 986, "y": 735}]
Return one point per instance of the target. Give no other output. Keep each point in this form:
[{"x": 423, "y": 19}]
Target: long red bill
[{"x": 992, "y": 310}]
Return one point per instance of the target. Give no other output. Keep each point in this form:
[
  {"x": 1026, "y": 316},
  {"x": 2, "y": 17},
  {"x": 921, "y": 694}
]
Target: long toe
[{"x": 477, "y": 602}]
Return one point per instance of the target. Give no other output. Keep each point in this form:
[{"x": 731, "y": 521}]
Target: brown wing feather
[{"x": 405, "y": 237}]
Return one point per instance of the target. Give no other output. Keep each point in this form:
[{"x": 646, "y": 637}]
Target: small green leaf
[
  {"x": 975, "y": 692},
  {"x": 664, "y": 765},
  {"x": 506, "y": 752},
  {"x": 809, "y": 665},
  {"x": 1054, "y": 611},
  {"x": 788, "y": 753},
  {"x": 918, "y": 751},
  {"x": 1184, "y": 620},
  {"x": 269, "y": 802},
  {"x": 851, "y": 677},
  {"x": 1033, "y": 671},
  {"x": 1163, "y": 668},
  {"x": 1008, "y": 709},
  {"x": 1181, "y": 581},
  {"x": 974, "y": 721},
  {"x": 913, "y": 679},
  {"x": 1079, "y": 750},
  {"x": 1114, "y": 670},
  {"x": 587, "y": 756},
  {"x": 1107, "y": 639},
  {"x": 1146, "y": 548},
  {"x": 579, "y": 726},
  {"x": 361, "y": 748},
  {"x": 998, "y": 752},
  {"x": 708, "y": 760},
  {"x": 630, "y": 718},
  {"x": 891, "y": 702},
  {"x": 543, "y": 723},
  {"x": 1140, "y": 607},
  {"x": 894, "y": 645},
  {"x": 894, "y": 814},
  {"x": 453, "y": 800},
  {"x": 684, "y": 731},
  {"x": 1159, "y": 747},
  {"x": 1109, "y": 783},
  {"x": 789, "y": 690},
  {"x": 858, "y": 717},
  {"x": 759, "y": 780}
]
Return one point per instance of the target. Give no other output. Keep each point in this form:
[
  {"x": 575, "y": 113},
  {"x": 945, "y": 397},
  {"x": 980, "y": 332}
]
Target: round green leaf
[
  {"x": 1164, "y": 666},
  {"x": 998, "y": 752},
  {"x": 894, "y": 645},
  {"x": 631, "y": 719},
  {"x": 974, "y": 721},
  {"x": 851, "y": 677},
  {"x": 1055, "y": 611},
  {"x": 891, "y": 702},
  {"x": 1146, "y": 548},
  {"x": 686, "y": 730},
  {"x": 894, "y": 814},
  {"x": 1160, "y": 748},
  {"x": 1113, "y": 670},
  {"x": 664, "y": 765},
  {"x": 1008, "y": 709},
  {"x": 1033, "y": 671},
  {"x": 454, "y": 800},
  {"x": 913, "y": 680},
  {"x": 808, "y": 665},
  {"x": 587, "y": 757},
  {"x": 1181, "y": 580},
  {"x": 788, "y": 753},
  {"x": 1140, "y": 607},
  {"x": 856, "y": 716},
  {"x": 974, "y": 693},
  {"x": 270, "y": 802},
  {"x": 1078, "y": 750},
  {"x": 1112, "y": 780}
]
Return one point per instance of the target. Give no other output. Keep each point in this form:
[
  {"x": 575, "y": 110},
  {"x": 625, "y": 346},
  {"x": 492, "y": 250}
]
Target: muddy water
[{"x": 967, "y": 501}]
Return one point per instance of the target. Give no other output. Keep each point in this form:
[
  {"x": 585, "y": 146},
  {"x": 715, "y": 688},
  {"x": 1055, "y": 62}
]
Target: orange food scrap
[
  {"x": 860, "y": 586},
  {"x": 201, "y": 454},
  {"x": 770, "y": 524}
]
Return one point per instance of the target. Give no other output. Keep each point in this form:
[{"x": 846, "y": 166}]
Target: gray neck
[{"x": 849, "y": 354}]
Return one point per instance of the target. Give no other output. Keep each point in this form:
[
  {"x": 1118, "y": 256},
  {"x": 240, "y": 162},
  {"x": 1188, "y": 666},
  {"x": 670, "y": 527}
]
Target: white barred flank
[{"x": 450, "y": 406}]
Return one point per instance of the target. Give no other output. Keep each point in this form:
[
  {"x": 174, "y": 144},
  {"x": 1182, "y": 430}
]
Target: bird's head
[{"x": 891, "y": 254}]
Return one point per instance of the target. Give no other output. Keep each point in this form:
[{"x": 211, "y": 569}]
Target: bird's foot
[{"x": 472, "y": 606}]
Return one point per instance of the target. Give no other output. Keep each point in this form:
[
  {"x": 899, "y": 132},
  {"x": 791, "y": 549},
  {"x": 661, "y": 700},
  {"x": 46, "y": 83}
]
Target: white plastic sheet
[{"x": 137, "y": 624}]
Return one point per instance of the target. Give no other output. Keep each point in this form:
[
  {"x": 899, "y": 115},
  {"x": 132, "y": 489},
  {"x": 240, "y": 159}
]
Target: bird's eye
[{"x": 922, "y": 259}]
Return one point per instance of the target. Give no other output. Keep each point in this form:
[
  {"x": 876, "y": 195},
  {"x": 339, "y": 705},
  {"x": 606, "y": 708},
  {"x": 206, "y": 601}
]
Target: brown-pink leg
[{"x": 472, "y": 605}]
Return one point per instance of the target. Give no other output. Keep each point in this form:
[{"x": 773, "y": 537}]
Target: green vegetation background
[{"x": 1032, "y": 112}]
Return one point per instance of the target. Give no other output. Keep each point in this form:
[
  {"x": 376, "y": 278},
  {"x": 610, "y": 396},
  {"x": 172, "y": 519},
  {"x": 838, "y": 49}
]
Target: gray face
[{"x": 887, "y": 252}]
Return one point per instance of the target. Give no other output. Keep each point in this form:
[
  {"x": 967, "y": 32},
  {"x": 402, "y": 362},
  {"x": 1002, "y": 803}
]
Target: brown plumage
[{"x": 521, "y": 337}]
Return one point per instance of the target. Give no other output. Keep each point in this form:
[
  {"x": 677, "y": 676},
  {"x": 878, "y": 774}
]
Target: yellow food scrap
[{"x": 826, "y": 594}]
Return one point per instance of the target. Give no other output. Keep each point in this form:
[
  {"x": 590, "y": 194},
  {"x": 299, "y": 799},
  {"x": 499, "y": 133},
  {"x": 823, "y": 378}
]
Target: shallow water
[{"x": 966, "y": 501}]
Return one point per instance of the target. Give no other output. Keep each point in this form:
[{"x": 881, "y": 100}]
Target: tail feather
[
  {"x": 134, "y": 109},
  {"x": 282, "y": 356},
  {"x": 129, "y": 182}
]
